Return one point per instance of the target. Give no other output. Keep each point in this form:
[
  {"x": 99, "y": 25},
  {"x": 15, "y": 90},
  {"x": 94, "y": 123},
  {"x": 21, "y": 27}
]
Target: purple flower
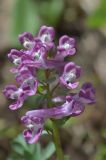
[
  {"x": 27, "y": 40},
  {"x": 29, "y": 86},
  {"x": 36, "y": 55},
  {"x": 87, "y": 93},
  {"x": 34, "y": 120},
  {"x": 12, "y": 92},
  {"x": 46, "y": 35},
  {"x": 34, "y": 128},
  {"x": 70, "y": 74},
  {"x": 67, "y": 44},
  {"x": 74, "y": 105},
  {"x": 66, "y": 47},
  {"x": 25, "y": 73},
  {"x": 15, "y": 56},
  {"x": 26, "y": 78},
  {"x": 18, "y": 57},
  {"x": 39, "y": 59}
]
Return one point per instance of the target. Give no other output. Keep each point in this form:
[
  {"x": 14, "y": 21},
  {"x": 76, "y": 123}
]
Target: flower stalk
[
  {"x": 56, "y": 136},
  {"x": 57, "y": 142}
]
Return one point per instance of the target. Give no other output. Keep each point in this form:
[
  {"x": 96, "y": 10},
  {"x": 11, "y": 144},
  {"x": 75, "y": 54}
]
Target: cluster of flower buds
[{"x": 40, "y": 52}]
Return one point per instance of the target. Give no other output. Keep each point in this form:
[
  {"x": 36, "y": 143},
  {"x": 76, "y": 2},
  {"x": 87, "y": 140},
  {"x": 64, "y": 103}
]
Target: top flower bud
[
  {"x": 67, "y": 44},
  {"x": 46, "y": 34}
]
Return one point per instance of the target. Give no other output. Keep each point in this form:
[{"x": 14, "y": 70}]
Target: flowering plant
[{"x": 41, "y": 53}]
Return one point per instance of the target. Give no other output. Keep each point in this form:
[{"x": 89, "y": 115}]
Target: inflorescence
[{"x": 41, "y": 53}]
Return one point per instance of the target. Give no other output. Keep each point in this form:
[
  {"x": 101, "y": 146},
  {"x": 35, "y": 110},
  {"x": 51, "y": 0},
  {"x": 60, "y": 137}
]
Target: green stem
[
  {"x": 57, "y": 142},
  {"x": 56, "y": 136},
  {"x": 49, "y": 95}
]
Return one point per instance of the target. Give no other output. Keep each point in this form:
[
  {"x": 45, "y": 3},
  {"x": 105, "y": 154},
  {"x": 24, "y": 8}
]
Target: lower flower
[{"x": 74, "y": 105}]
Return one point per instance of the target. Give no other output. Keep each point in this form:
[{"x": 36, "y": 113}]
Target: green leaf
[
  {"x": 19, "y": 145},
  {"x": 22, "y": 149},
  {"x": 48, "y": 151},
  {"x": 37, "y": 152},
  {"x": 98, "y": 17}
]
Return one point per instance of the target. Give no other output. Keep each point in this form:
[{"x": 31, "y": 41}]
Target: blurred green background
[{"x": 83, "y": 137}]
